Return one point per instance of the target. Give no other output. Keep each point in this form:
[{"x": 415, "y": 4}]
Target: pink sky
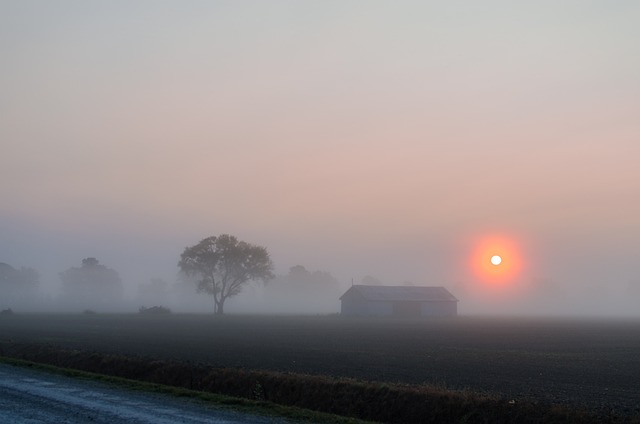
[{"x": 357, "y": 138}]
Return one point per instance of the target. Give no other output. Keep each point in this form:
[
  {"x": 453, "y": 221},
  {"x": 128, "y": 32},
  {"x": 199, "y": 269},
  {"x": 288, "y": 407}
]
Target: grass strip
[
  {"x": 236, "y": 404},
  {"x": 389, "y": 403}
]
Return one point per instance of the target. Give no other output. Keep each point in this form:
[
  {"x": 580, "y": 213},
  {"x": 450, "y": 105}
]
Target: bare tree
[{"x": 223, "y": 265}]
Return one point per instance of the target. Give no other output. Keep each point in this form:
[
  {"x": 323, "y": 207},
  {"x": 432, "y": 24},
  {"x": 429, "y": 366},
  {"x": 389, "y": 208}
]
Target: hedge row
[{"x": 389, "y": 403}]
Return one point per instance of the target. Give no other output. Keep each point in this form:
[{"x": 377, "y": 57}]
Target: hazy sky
[{"x": 354, "y": 137}]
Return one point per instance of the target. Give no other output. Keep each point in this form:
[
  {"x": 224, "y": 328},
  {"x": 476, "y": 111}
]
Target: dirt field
[{"x": 592, "y": 364}]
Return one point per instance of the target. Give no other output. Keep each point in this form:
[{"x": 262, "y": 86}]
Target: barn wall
[
  {"x": 349, "y": 306},
  {"x": 439, "y": 309},
  {"x": 353, "y": 306},
  {"x": 407, "y": 309},
  {"x": 356, "y": 306},
  {"x": 379, "y": 308}
]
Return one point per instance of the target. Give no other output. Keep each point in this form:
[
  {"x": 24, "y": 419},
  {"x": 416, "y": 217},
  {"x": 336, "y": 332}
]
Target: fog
[
  {"x": 357, "y": 139},
  {"x": 148, "y": 284}
]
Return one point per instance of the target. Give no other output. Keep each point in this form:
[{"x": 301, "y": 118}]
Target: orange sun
[{"x": 496, "y": 261}]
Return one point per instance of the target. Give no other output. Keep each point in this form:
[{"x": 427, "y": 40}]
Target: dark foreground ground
[
  {"x": 581, "y": 363},
  {"x": 30, "y": 396}
]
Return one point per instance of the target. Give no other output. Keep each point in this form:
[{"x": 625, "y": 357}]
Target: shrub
[{"x": 154, "y": 310}]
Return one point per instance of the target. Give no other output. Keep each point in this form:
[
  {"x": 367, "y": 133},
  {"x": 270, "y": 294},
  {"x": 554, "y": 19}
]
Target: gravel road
[{"x": 33, "y": 396}]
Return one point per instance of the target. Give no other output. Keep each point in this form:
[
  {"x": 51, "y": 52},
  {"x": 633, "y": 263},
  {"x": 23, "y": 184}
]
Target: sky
[{"x": 359, "y": 138}]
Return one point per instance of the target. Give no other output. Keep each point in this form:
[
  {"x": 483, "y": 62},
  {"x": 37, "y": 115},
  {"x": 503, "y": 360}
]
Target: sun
[{"x": 496, "y": 261}]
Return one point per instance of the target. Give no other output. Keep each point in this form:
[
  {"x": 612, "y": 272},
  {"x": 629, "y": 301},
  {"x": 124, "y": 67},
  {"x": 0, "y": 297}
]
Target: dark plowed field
[{"x": 592, "y": 364}]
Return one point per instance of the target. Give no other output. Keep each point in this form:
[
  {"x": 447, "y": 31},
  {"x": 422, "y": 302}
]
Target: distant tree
[
  {"x": 370, "y": 281},
  {"x": 92, "y": 283},
  {"x": 24, "y": 277},
  {"x": 298, "y": 273},
  {"x": 324, "y": 279},
  {"x": 155, "y": 291},
  {"x": 299, "y": 279},
  {"x": 302, "y": 291},
  {"x": 7, "y": 274},
  {"x": 17, "y": 284},
  {"x": 223, "y": 265}
]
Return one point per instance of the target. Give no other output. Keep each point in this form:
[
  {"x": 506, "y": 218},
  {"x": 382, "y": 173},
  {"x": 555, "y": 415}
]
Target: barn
[{"x": 398, "y": 301}]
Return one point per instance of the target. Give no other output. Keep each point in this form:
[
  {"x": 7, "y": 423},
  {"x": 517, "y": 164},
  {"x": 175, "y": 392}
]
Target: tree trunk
[{"x": 220, "y": 307}]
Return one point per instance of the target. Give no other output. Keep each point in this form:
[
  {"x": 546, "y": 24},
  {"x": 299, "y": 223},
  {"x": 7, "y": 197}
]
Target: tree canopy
[
  {"x": 92, "y": 284},
  {"x": 223, "y": 265},
  {"x": 14, "y": 278},
  {"x": 303, "y": 291},
  {"x": 299, "y": 278},
  {"x": 17, "y": 285}
]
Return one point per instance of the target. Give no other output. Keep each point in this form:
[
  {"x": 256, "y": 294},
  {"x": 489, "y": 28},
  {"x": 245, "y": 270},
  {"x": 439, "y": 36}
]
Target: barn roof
[{"x": 402, "y": 293}]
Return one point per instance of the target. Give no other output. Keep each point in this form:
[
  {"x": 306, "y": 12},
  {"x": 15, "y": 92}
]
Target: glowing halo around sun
[{"x": 496, "y": 263}]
